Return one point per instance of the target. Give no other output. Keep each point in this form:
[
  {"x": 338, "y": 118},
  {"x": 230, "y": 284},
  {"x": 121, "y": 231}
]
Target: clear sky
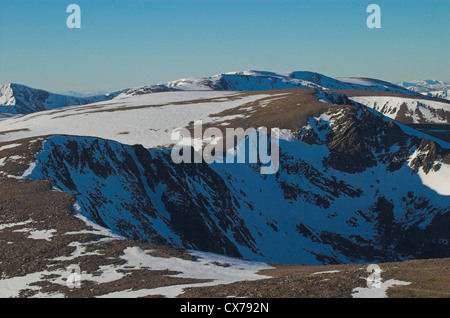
[{"x": 139, "y": 42}]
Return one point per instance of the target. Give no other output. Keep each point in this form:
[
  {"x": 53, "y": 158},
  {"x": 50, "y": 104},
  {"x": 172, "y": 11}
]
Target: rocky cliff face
[
  {"x": 408, "y": 109},
  {"x": 352, "y": 187}
]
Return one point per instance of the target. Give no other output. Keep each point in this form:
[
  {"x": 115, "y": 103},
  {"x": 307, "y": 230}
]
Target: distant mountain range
[
  {"x": 85, "y": 94},
  {"x": 422, "y": 86},
  {"x": 433, "y": 88},
  {"x": 21, "y": 99},
  {"x": 415, "y": 102}
]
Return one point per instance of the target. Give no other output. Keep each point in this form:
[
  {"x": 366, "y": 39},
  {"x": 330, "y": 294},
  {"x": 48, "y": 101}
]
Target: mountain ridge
[
  {"x": 21, "y": 99},
  {"x": 353, "y": 185},
  {"x": 252, "y": 80},
  {"x": 421, "y": 86},
  {"x": 233, "y": 210},
  {"x": 431, "y": 88}
]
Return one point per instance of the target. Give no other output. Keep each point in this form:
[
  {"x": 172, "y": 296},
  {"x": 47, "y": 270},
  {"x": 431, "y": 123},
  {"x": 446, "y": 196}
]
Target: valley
[{"x": 363, "y": 179}]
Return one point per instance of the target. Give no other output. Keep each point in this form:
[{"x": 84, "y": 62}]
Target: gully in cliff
[{"x": 239, "y": 146}]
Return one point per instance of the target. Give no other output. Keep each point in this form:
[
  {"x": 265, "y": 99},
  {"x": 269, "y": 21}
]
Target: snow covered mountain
[
  {"x": 353, "y": 185},
  {"x": 258, "y": 81},
  {"x": 431, "y": 88},
  {"x": 424, "y": 86},
  {"x": 21, "y": 99},
  {"x": 408, "y": 110}
]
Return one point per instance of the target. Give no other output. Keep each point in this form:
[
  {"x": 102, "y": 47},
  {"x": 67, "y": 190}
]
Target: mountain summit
[{"x": 260, "y": 80}]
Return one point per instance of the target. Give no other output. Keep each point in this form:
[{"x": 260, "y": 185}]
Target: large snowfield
[{"x": 143, "y": 119}]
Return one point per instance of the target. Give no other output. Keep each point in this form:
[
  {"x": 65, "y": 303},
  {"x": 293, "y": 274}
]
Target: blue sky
[{"x": 138, "y": 42}]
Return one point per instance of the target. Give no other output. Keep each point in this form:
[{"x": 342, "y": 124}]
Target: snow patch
[
  {"x": 207, "y": 266},
  {"x": 9, "y": 225},
  {"x": 371, "y": 292},
  {"x": 144, "y": 119},
  {"x": 38, "y": 234},
  {"x": 326, "y": 272},
  {"x": 10, "y": 146}
]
